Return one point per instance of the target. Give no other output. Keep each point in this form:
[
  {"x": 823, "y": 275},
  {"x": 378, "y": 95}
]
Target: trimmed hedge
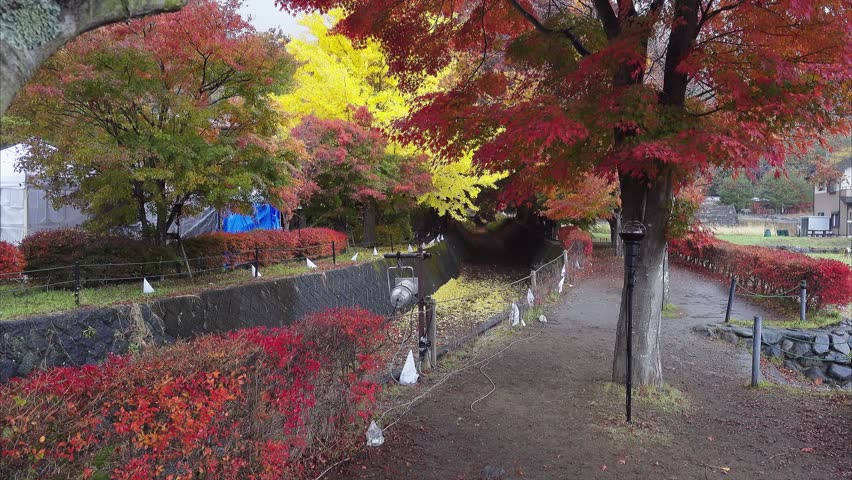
[
  {"x": 769, "y": 271},
  {"x": 11, "y": 261},
  {"x": 274, "y": 245},
  {"x": 53, "y": 249},
  {"x": 258, "y": 403},
  {"x": 107, "y": 258}
]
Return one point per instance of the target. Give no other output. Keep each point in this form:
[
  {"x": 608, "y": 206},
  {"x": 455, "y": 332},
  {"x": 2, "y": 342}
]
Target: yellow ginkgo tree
[{"x": 336, "y": 77}]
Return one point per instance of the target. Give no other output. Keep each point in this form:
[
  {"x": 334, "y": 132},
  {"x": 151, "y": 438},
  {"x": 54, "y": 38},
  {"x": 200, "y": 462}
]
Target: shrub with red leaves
[
  {"x": 11, "y": 261},
  {"x": 570, "y": 234},
  {"x": 264, "y": 403},
  {"x": 274, "y": 245},
  {"x": 769, "y": 271},
  {"x": 49, "y": 249}
]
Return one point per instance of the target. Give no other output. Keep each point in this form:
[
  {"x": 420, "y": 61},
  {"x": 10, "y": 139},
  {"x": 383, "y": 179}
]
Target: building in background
[{"x": 834, "y": 200}]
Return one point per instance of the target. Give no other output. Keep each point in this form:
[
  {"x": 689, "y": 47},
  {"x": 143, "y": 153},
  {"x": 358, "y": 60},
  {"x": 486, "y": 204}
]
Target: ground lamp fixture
[{"x": 632, "y": 233}]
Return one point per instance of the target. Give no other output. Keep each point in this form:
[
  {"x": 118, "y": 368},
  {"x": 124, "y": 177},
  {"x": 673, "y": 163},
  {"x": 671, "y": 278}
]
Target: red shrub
[
  {"x": 53, "y": 249},
  {"x": 570, "y": 234},
  {"x": 259, "y": 403},
  {"x": 11, "y": 261},
  {"x": 769, "y": 271},
  {"x": 274, "y": 245}
]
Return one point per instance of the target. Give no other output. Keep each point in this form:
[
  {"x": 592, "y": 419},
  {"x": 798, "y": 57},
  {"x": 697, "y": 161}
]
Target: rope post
[
  {"x": 755, "y": 351},
  {"x": 433, "y": 332},
  {"x": 333, "y": 254},
  {"x": 77, "y": 283},
  {"x": 533, "y": 279},
  {"x": 731, "y": 294},
  {"x": 256, "y": 261},
  {"x": 803, "y": 302},
  {"x": 565, "y": 260}
]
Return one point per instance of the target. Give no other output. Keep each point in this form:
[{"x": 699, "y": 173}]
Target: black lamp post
[{"x": 632, "y": 233}]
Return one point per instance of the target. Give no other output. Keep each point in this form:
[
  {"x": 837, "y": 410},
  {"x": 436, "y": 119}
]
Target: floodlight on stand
[{"x": 403, "y": 290}]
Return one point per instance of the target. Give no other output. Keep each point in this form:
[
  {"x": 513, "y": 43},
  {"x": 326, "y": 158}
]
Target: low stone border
[{"x": 818, "y": 353}]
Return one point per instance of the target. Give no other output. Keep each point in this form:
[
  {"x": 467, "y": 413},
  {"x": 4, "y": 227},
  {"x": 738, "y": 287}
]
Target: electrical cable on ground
[{"x": 411, "y": 402}]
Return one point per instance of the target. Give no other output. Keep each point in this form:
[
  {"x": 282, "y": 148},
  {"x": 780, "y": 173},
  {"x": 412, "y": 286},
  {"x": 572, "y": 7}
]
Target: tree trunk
[
  {"x": 44, "y": 27},
  {"x": 614, "y": 238},
  {"x": 370, "y": 223},
  {"x": 650, "y": 205}
]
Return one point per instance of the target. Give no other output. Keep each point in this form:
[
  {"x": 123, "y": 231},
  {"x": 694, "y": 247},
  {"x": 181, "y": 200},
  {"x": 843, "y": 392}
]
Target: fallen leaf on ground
[{"x": 808, "y": 449}]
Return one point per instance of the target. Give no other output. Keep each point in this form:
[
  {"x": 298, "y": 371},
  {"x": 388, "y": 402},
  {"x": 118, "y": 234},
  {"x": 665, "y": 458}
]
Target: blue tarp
[{"x": 265, "y": 217}]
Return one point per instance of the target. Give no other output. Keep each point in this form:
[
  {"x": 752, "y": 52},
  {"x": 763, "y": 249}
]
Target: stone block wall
[
  {"x": 818, "y": 353},
  {"x": 85, "y": 336}
]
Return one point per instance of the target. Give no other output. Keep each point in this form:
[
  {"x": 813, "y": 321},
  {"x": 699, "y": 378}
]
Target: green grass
[
  {"x": 833, "y": 256},
  {"x": 665, "y": 399},
  {"x": 40, "y": 302},
  {"x": 670, "y": 310},
  {"x": 760, "y": 240},
  {"x": 812, "y": 321}
]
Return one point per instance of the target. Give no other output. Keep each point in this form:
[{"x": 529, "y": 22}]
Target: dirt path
[{"x": 551, "y": 417}]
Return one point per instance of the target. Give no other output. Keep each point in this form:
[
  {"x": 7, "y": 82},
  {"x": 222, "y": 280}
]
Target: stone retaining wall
[
  {"x": 818, "y": 353},
  {"x": 85, "y": 336}
]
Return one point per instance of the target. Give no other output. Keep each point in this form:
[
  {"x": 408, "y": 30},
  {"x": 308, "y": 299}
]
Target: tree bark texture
[
  {"x": 370, "y": 222},
  {"x": 650, "y": 205},
  {"x": 34, "y": 29}
]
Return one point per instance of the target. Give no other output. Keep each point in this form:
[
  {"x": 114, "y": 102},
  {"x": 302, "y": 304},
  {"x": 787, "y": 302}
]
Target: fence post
[
  {"x": 755, "y": 351},
  {"x": 256, "y": 261},
  {"x": 433, "y": 331},
  {"x": 565, "y": 261},
  {"x": 731, "y": 294},
  {"x": 333, "y": 254},
  {"x": 77, "y": 283},
  {"x": 803, "y": 303},
  {"x": 533, "y": 279}
]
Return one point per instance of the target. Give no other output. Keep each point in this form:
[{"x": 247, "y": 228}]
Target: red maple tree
[
  {"x": 346, "y": 172},
  {"x": 657, "y": 90}
]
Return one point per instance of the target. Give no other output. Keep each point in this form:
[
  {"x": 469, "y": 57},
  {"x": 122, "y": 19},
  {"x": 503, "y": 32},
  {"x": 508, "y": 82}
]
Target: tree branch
[
  {"x": 608, "y": 18},
  {"x": 575, "y": 41}
]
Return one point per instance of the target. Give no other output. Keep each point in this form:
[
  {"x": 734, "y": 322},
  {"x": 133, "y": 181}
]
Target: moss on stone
[{"x": 25, "y": 25}]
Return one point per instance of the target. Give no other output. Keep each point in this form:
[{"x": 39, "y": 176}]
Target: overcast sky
[{"x": 265, "y": 15}]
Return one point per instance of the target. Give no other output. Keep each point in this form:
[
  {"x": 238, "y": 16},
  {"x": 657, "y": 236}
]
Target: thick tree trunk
[
  {"x": 44, "y": 27},
  {"x": 370, "y": 223},
  {"x": 651, "y": 206}
]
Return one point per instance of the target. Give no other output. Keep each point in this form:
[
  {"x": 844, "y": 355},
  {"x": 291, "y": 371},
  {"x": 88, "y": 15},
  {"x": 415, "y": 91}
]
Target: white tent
[{"x": 24, "y": 208}]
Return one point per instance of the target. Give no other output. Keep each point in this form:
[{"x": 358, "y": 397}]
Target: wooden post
[
  {"x": 755, "y": 351},
  {"x": 433, "y": 332},
  {"x": 422, "y": 335},
  {"x": 333, "y": 254},
  {"x": 803, "y": 302},
  {"x": 533, "y": 280},
  {"x": 256, "y": 261},
  {"x": 77, "y": 283}
]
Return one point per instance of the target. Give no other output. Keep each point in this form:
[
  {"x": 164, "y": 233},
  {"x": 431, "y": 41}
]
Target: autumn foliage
[
  {"x": 264, "y": 403},
  {"x": 768, "y": 271},
  {"x": 11, "y": 260},
  {"x": 274, "y": 245},
  {"x": 570, "y": 235}
]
